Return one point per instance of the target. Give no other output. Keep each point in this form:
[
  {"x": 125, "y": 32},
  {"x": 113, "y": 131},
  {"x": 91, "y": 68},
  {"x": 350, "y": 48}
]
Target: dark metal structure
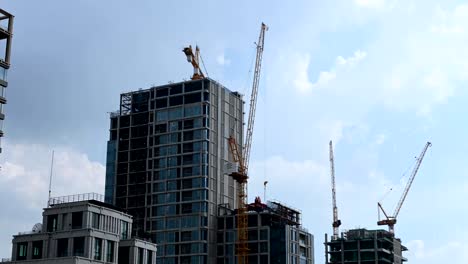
[{"x": 6, "y": 35}]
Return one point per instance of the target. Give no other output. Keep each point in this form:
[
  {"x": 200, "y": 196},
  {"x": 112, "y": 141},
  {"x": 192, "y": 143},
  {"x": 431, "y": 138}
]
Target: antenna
[{"x": 50, "y": 178}]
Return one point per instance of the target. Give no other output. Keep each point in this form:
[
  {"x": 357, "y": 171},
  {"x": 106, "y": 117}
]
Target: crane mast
[
  {"x": 194, "y": 59},
  {"x": 336, "y": 222},
  {"x": 242, "y": 157},
  {"x": 391, "y": 220},
  {"x": 253, "y": 96}
]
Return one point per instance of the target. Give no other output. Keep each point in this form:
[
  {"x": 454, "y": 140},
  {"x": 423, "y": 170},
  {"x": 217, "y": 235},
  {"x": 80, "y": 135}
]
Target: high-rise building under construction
[
  {"x": 362, "y": 246},
  {"x": 165, "y": 164}
]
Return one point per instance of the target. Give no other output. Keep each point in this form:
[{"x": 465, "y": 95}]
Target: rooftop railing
[{"x": 76, "y": 198}]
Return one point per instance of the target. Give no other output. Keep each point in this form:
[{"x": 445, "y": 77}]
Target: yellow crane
[
  {"x": 242, "y": 157},
  {"x": 390, "y": 221},
  {"x": 194, "y": 59}
]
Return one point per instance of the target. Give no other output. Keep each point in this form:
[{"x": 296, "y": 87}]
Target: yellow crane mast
[
  {"x": 194, "y": 59},
  {"x": 242, "y": 157}
]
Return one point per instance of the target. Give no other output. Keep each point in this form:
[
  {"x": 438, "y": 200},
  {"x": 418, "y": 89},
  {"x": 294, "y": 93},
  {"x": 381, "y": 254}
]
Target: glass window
[
  {"x": 160, "y": 163},
  {"x": 171, "y": 197},
  {"x": 97, "y": 248},
  {"x": 172, "y": 185},
  {"x": 77, "y": 220},
  {"x": 52, "y": 221},
  {"x": 161, "y": 116},
  {"x": 173, "y": 161},
  {"x": 171, "y": 210},
  {"x": 78, "y": 246},
  {"x": 159, "y": 187},
  {"x": 140, "y": 255},
  {"x": 159, "y": 238},
  {"x": 174, "y": 126},
  {"x": 172, "y": 150},
  {"x": 150, "y": 257},
  {"x": 160, "y": 175},
  {"x": 95, "y": 220},
  {"x": 174, "y": 138},
  {"x": 193, "y": 110},
  {"x": 189, "y": 221},
  {"x": 110, "y": 251},
  {"x": 163, "y": 139},
  {"x": 62, "y": 247},
  {"x": 158, "y": 224},
  {"x": 172, "y": 223},
  {"x": 175, "y": 113},
  {"x": 172, "y": 173},
  {"x": 37, "y": 249},
  {"x": 22, "y": 251},
  {"x": 124, "y": 230},
  {"x": 201, "y": 207},
  {"x": 170, "y": 249},
  {"x": 197, "y": 123}
]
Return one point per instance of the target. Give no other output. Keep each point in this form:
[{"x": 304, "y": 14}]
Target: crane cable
[{"x": 203, "y": 63}]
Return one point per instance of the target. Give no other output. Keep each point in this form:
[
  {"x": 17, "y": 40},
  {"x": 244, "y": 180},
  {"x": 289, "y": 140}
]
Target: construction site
[
  {"x": 362, "y": 245},
  {"x": 177, "y": 175}
]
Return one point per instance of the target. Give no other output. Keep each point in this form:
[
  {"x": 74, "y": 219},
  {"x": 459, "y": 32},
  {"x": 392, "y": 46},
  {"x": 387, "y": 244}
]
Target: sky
[{"x": 378, "y": 77}]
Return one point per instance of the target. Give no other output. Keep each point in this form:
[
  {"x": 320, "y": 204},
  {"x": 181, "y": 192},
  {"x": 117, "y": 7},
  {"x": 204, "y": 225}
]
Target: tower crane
[
  {"x": 242, "y": 157},
  {"x": 194, "y": 59},
  {"x": 336, "y": 222},
  {"x": 390, "y": 221}
]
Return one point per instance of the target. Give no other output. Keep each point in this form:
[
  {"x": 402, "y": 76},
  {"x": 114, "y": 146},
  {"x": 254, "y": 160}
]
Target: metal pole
[{"x": 50, "y": 179}]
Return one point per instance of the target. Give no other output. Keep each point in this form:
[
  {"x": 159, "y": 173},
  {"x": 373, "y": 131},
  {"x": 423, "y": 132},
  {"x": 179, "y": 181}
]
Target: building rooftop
[
  {"x": 285, "y": 214},
  {"x": 92, "y": 198}
]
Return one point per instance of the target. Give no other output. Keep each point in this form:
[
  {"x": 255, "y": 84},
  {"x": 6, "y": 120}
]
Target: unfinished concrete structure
[
  {"x": 275, "y": 235},
  {"x": 165, "y": 164},
  {"x": 6, "y": 34},
  {"x": 82, "y": 229},
  {"x": 364, "y": 246}
]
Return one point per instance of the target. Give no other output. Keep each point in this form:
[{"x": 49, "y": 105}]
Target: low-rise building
[{"x": 82, "y": 229}]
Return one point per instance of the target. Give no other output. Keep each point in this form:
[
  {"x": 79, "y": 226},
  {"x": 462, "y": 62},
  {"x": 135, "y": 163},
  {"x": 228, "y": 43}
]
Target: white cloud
[
  {"x": 282, "y": 174},
  {"x": 301, "y": 80},
  {"x": 353, "y": 60},
  {"x": 24, "y": 182},
  {"x": 302, "y": 63},
  {"x": 419, "y": 252},
  {"x": 26, "y": 169},
  {"x": 333, "y": 129},
  {"x": 222, "y": 60}
]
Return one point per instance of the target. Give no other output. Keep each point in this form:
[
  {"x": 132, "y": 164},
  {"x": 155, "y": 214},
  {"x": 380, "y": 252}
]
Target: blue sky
[{"x": 379, "y": 77}]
